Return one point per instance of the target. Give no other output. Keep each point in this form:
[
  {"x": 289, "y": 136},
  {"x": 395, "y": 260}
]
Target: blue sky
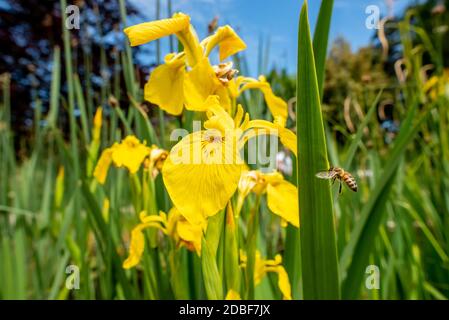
[{"x": 276, "y": 21}]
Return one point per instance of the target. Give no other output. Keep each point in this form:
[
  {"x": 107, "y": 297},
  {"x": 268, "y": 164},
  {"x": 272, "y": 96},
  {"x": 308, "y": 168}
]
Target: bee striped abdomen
[{"x": 350, "y": 181}]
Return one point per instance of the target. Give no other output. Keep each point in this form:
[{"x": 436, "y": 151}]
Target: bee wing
[{"x": 327, "y": 175}]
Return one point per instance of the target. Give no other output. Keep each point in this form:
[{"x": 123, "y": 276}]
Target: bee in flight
[{"x": 341, "y": 175}]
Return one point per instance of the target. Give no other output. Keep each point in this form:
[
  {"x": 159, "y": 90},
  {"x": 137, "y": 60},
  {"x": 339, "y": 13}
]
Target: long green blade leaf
[
  {"x": 318, "y": 248},
  {"x": 320, "y": 40}
]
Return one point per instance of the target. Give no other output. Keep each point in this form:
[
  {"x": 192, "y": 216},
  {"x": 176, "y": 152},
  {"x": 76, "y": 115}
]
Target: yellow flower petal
[
  {"x": 277, "y": 106},
  {"x": 165, "y": 87},
  {"x": 284, "y": 283},
  {"x": 259, "y": 269},
  {"x": 289, "y": 140},
  {"x": 191, "y": 233},
  {"x": 228, "y": 41},
  {"x": 137, "y": 243},
  {"x": 136, "y": 248},
  {"x": 103, "y": 164},
  {"x": 233, "y": 295},
  {"x": 191, "y": 45},
  {"x": 200, "y": 83},
  {"x": 130, "y": 153},
  {"x": 223, "y": 92},
  {"x": 218, "y": 118},
  {"x": 97, "y": 124},
  {"x": 233, "y": 89},
  {"x": 287, "y": 137},
  {"x": 149, "y": 31},
  {"x": 282, "y": 199},
  {"x": 201, "y": 175}
]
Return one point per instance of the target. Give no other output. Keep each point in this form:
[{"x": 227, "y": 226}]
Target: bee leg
[
  {"x": 339, "y": 191},
  {"x": 333, "y": 180}
]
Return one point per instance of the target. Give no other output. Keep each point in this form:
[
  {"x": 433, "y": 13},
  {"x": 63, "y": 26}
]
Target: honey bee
[{"x": 341, "y": 175}]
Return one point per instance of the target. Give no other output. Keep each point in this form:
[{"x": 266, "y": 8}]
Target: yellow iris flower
[
  {"x": 262, "y": 267},
  {"x": 172, "y": 87},
  {"x": 173, "y": 225},
  {"x": 130, "y": 153},
  {"x": 282, "y": 196},
  {"x": 202, "y": 171}
]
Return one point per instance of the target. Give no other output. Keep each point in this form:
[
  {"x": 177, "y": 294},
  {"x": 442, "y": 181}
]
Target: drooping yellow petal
[
  {"x": 136, "y": 248},
  {"x": 137, "y": 243},
  {"x": 103, "y": 164},
  {"x": 287, "y": 137},
  {"x": 130, "y": 153},
  {"x": 149, "y": 31},
  {"x": 228, "y": 41},
  {"x": 284, "y": 283},
  {"x": 263, "y": 266},
  {"x": 282, "y": 200},
  {"x": 233, "y": 295},
  {"x": 277, "y": 106},
  {"x": 289, "y": 140},
  {"x": 201, "y": 174},
  {"x": 165, "y": 87},
  {"x": 200, "y": 83}
]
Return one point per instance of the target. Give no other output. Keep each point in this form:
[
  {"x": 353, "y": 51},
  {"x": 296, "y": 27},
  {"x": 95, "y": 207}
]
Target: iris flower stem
[
  {"x": 136, "y": 193},
  {"x": 253, "y": 224},
  {"x": 231, "y": 251}
]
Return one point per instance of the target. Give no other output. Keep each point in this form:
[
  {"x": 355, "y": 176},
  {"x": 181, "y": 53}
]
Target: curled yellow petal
[
  {"x": 137, "y": 243},
  {"x": 282, "y": 200},
  {"x": 287, "y": 137},
  {"x": 228, "y": 41},
  {"x": 165, "y": 87},
  {"x": 149, "y": 31},
  {"x": 277, "y": 106},
  {"x": 103, "y": 164},
  {"x": 130, "y": 153},
  {"x": 136, "y": 248}
]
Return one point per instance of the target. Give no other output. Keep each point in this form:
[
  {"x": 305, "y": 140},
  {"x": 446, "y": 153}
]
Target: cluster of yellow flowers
[{"x": 204, "y": 170}]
